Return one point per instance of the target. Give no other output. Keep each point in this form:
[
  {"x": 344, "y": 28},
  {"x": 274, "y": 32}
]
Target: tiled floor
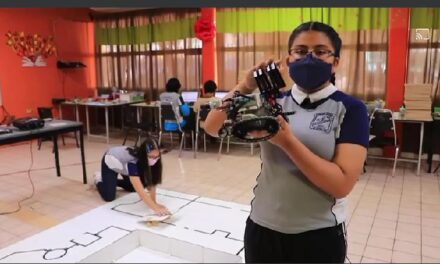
[{"x": 392, "y": 219}]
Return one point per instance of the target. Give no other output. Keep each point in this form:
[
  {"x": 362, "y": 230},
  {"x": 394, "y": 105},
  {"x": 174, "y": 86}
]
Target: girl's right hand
[{"x": 161, "y": 210}]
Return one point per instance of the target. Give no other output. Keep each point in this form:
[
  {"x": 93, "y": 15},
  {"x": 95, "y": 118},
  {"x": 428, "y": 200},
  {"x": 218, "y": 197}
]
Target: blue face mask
[{"x": 310, "y": 73}]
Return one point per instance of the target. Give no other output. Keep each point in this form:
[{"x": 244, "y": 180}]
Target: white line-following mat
[{"x": 210, "y": 223}]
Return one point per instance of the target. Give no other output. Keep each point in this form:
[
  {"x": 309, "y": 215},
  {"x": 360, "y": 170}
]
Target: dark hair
[
  {"x": 321, "y": 27},
  {"x": 210, "y": 86},
  {"x": 150, "y": 175},
  {"x": 173, "y": 85}
]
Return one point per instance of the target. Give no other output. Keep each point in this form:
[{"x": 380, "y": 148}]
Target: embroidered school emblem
[{"x": 322, "y": 122}]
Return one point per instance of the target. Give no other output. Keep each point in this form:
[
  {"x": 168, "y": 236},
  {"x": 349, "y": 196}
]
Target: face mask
[
  {"x": 152, "y": 161},
  {"x": 310, "y": 73}
]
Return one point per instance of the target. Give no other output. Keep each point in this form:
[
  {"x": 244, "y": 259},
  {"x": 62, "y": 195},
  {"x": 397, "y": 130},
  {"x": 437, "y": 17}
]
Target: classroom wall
[{"x": 26, "y": 88}]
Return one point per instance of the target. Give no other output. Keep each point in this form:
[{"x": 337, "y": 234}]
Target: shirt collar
[{"x": 299, "y": 95}]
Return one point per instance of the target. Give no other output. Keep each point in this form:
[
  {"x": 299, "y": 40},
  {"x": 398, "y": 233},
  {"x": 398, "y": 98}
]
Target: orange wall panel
[{"x": 26, "y": 88}]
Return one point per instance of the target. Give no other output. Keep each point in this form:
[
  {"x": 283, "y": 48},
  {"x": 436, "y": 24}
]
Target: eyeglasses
[
  {"x": 150, "y": 147},
  {"x": 318, "y": 53}
]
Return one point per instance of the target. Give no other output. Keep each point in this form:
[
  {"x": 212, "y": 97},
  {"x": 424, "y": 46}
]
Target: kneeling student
[{"x": 139, "y": 167}]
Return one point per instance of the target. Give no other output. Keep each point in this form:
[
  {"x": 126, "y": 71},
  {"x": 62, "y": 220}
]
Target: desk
[
  {"x": 403, "y": 119},
  {"x": 105, "y": 105},
  {"x": 154, "y": 105},
  {"x": 50, "y": 129},
  {"x": 75, "y": 104},
  {"x": 434, "y": 139}
]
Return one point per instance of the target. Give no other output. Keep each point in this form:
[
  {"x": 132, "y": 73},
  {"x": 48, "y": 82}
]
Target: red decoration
[
  {"x": 33, "y": 48},
  {"x": 205, "y": 29}
]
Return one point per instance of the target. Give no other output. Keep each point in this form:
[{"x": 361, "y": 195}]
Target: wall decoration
[{"x": 33, "y": 48}]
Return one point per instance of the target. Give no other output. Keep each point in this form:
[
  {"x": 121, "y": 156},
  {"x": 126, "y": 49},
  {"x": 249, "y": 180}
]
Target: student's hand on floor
[
  {"x": 161, "y": 205},
  {"x": 161, "y": 210}
]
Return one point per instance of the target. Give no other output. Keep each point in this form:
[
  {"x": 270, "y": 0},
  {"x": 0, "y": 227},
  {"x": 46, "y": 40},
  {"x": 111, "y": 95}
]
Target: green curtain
[
  {"x": 179, "y": 29},
  {"x": 286, "y": 19},
  {"x": 425, "y": 18}
]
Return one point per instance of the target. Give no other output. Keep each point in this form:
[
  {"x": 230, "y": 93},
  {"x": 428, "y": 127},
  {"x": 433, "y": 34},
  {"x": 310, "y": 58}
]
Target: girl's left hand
[{"x": 283, "y": 135}]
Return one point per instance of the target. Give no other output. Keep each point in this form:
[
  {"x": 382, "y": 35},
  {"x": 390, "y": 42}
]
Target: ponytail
[
  {"x": 333, "y": 78},
  {"x": 150, "y": 175}
]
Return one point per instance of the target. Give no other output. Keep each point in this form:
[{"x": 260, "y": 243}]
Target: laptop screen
[
  {"x": 220, "y": 94},
  {"x": 190, "y": 96}
]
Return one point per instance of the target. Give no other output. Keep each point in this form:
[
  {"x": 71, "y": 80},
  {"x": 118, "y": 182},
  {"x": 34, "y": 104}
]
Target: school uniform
[
  {"x": 117, "y": 160},
  {"x": 291, "y": 219}
]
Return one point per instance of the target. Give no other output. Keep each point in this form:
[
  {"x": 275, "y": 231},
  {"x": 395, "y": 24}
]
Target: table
[
  {"x": 51, "y": 129},
  {"x": 434, "y": 138},
  {"x": 418, "y": 120},
  {"x": 139, "y": 106},
  {"x": 105, "y": 105},
  {"x": 75, "y": 104}
]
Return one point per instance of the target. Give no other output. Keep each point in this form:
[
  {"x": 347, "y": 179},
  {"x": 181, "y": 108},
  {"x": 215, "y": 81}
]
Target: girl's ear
[{"x": 336, "y": 62}]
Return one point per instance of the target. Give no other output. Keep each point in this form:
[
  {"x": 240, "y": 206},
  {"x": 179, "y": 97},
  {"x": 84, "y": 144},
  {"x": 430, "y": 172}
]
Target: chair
[
  {"x": 46, "y": 113},
  {"x": 202, "y": 114},
  {"x": 250, "y": 107},
  {"x": 168, "y": 115},
  {"x": 228, "y": 141},
  {"x": 131, "y": 123},
  {"x": 383, "y": 132}
]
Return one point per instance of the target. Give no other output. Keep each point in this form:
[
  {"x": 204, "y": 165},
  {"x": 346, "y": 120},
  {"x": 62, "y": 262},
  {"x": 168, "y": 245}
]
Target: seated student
[
  {"x": 172, "y": 95},
  {"x": 139, "y": 167},
  {"x": 185, "y": 115},
  {"x": 209, "y": 88}
]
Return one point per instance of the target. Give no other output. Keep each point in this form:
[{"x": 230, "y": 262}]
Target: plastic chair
[
  {"x": 130, "y": 124},
  {"x": 202, "y": 114},
  {"x": 383, "y": 132},
  {"x": 170, "y": 121}
]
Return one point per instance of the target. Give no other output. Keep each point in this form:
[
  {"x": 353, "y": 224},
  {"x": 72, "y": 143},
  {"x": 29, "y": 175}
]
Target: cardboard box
[{"x": 418, "y": 115}]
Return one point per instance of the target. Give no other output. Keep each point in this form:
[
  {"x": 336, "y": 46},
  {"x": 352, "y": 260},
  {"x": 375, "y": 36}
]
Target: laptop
[
  {"x": 220, "y": 94},
  {"x": 190, "y": 97}
]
